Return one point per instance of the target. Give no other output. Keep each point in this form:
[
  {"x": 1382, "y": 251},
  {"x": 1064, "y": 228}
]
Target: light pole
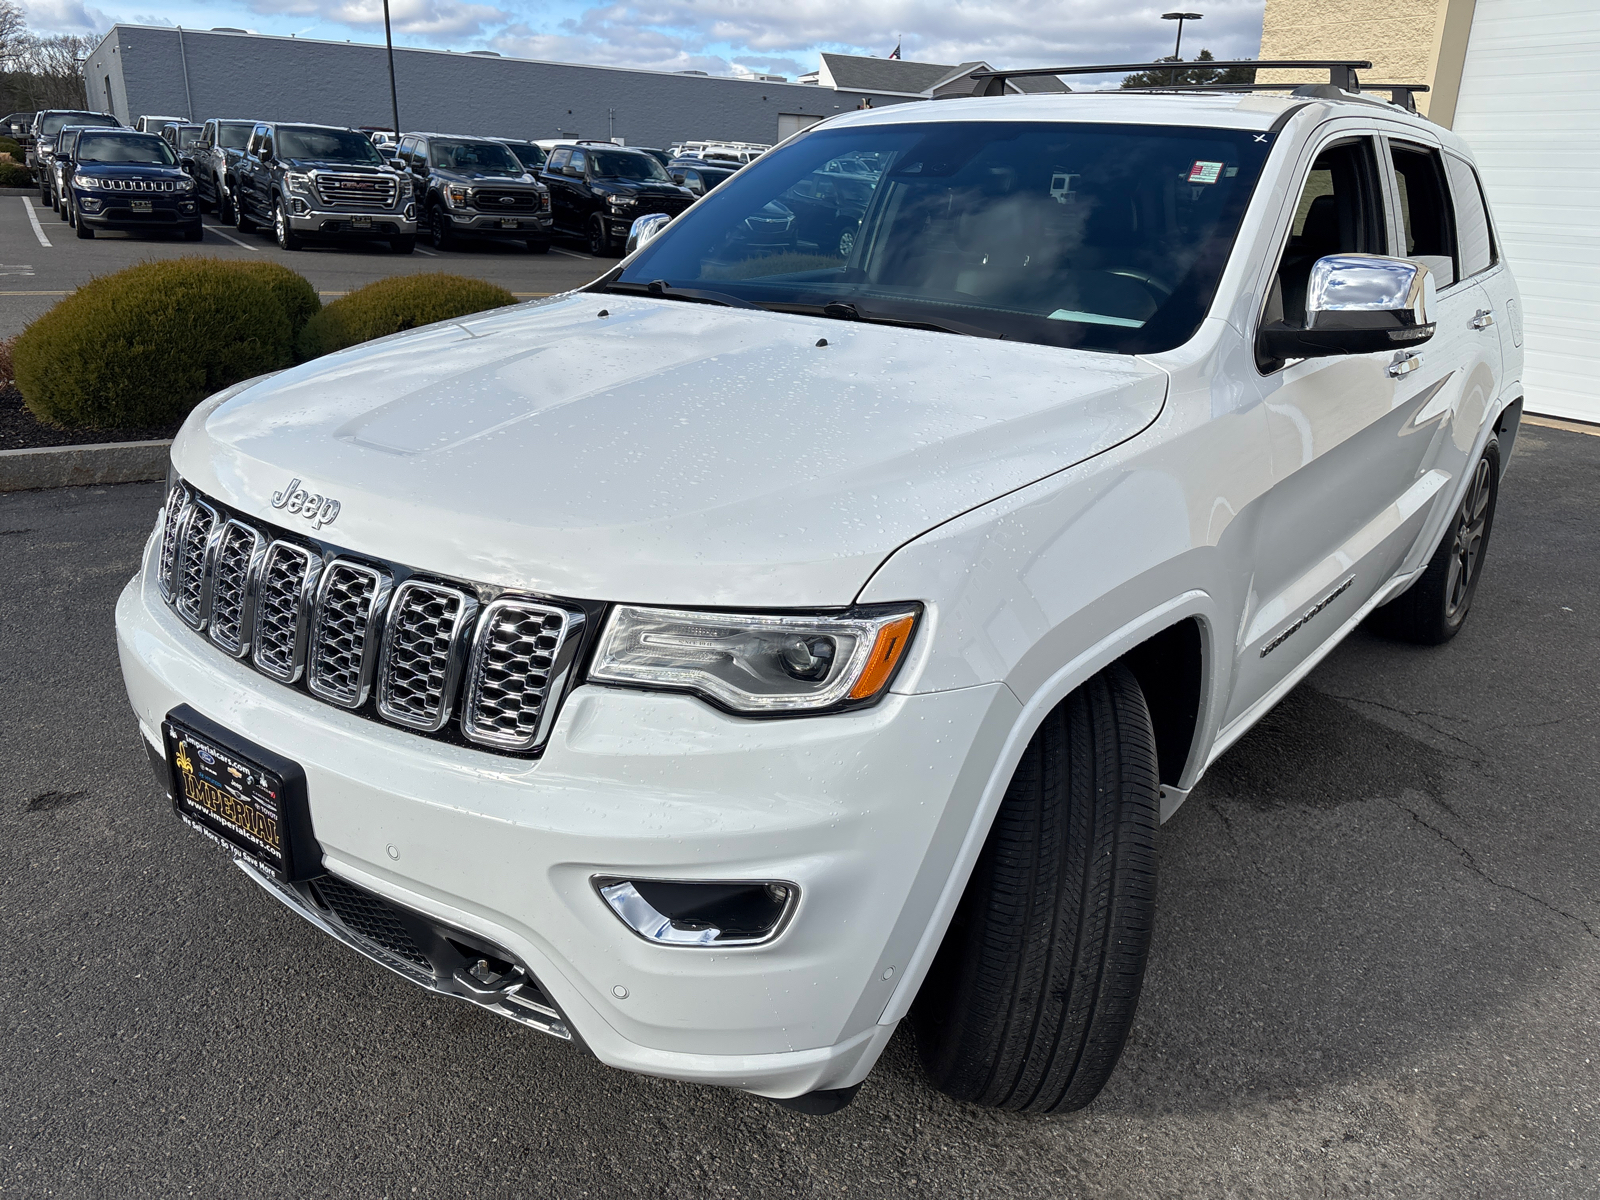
[
  {"x": 394, "y": 96},
  {"x": 1177, "y": 50}
]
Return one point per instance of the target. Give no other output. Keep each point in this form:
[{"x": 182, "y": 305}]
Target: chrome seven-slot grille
[{"x": 352, "y": 630}]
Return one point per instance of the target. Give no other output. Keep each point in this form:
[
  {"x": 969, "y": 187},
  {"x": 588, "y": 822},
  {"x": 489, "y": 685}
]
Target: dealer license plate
[
  {"x": 360, "y": 222},
  {"x": 509, "y": 223},
  {"x": 141, "y": 205},
  {"x": 240, "y": 794}
]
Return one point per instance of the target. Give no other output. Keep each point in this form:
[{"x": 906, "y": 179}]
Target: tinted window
[
  {"x": 1103, "y": 236},
  {"x": 51, "y": 125},
  {"x": 130, "y": 147},
  {"x": 1337, "y": 212},
  {"x": 333, "y": 145},
  {"x": 527, "y": 154},
  {"x": 232, "y": 135},
  {"x": 454, "y": 155},
  {"x": 558, "y": 160},
  {"x": 576, "y": 163},
  {"x": 616, "y": 165},
  {"x": 188, "y": 137},
  {"x": 1425, "y": 211},
  {"x": 1474, "y": 243}
]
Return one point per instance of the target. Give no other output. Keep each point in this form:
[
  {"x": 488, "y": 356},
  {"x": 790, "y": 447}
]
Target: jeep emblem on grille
[{"x": 294, "y": 499}]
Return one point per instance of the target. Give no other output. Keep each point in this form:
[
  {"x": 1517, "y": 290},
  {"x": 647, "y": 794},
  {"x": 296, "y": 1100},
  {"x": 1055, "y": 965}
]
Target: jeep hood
[{"x": 667, "y": 452}]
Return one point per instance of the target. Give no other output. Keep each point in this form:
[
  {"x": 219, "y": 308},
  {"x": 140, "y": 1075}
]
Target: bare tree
[{"x": 51, "y": 71}]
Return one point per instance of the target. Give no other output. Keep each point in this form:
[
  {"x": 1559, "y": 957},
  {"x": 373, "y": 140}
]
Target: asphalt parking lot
[
  {"x": 33, "y": 276},
  {"x": 1376, "y": 971}
]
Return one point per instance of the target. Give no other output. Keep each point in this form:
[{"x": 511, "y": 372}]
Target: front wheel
[
  {"x": 403, "y": 245},
  {"x": 84, "y": 231},
  {"x": 1431, "y": 611},
  {"x": 538, "y": 245},
  {"x": 194, "y": 233},
  {"x": 241, "y": 219},
  {"x": 1033, "y": 992},
  {"x": 64, "y": 208},
  {"x": 282, "y": 232},
  {"x": 442, "y": 236},
  {"x": 599, "y": 238}
]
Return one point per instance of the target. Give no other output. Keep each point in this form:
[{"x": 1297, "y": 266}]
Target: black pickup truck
[
  {"x": 325, "y": 183},
  {"x": 597, "y": 190},
  {"x": 475, "y": 187}
]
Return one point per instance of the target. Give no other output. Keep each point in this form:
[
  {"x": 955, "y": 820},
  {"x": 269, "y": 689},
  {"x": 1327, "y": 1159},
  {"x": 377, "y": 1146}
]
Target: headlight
[
  {"x": 186, "y": 185},
  {"x": 456, "y": 195},
  {"x": 298, "y": 182},
  {"x": 761, "y": 665},
  {"x": 621, "y": 201},
  {"x": 404, "y": 188}
]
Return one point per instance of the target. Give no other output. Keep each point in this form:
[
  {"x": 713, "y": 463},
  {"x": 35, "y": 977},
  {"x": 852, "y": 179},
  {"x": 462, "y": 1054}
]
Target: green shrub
[
  {"x": 395, "y": 304},
  {"x": 142, "y": 347},
  {"x": 299, "y": 299},
  {"x": 15, "y": 175},
  {"x": 10, "y": 146}
]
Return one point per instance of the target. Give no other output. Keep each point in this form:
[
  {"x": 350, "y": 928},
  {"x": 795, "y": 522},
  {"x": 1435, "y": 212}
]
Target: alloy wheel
[
  {"x": 280, "y": 228},
  {"x": 1467, "y": 552}
]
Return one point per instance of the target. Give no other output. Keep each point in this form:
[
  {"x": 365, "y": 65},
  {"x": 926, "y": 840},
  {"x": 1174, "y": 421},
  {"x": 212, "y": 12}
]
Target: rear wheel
[
  {"x": 1431, "y": 611},
  {"x": 1033, "y": 992},
  {"x": 64, "y": 207}
]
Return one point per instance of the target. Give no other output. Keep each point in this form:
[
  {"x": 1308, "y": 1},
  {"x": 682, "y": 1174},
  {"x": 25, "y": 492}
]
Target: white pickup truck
[{"x": 788, "y": 634}]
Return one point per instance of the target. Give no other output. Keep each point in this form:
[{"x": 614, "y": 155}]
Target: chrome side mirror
[
  {"x": 645, "y": 230},
  {"x": 1358, "y": 304}
]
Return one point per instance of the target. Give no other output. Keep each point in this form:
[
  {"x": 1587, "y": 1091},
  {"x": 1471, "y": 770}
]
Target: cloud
[
  {"x": 423, "y": 20},
  {"x": 65, "y": 16},
  {"x": 761, "y": 34}
]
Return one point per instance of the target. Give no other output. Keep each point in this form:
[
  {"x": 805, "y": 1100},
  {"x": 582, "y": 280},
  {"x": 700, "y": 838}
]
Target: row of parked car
[{"x": 305, "y": 182}]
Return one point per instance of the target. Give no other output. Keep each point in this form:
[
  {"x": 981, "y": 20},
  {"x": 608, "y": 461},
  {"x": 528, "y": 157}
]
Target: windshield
[
  {"x": 142, "y": 148},
  {"x": 1108, "y": 237},
  {"x": 332, "y": 145},
  {"x": 610, "y": 164},
  {"x": 188, "y": 137},
  {"x": 51, "y": 125},
  {"x": 234, "y": 135},
  {"x": 473, "y": 156},
  {"x": 529, "y": 155}
]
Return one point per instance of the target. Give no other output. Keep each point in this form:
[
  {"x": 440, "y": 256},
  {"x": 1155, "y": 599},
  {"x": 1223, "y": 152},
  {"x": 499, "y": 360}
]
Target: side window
[
  {"x": 1338, "y": 212},
  {"x": 576, "y": 163},
  {"x": 1474, "y": 241},
  {"x": 403, "y": 151},
  {"x": 1425, "y": 210},
  {"x": 208, "y": 135},
  {"x": 266, "y": 147},
  {"x": 557, "y": 161}
]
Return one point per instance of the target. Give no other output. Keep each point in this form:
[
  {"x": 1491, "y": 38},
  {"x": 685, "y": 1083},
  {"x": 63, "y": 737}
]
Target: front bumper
[
  {"x": 307, "y": 219},
  {"x": 527, "y": 223},
  {"x": 863, "y": 811},
  {"x": 115, "y": 212}
]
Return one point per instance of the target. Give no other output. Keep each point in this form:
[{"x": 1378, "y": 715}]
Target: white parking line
[
  {"x": 217, "y": 229},
  {"x": 571, "y": 253},
  {"x": 429, "y": 253},
  {"x": 33, "y": 219}
]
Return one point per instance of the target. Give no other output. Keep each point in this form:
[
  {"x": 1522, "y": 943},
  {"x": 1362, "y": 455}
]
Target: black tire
[
  {"x": 599, "y": 238},
  {"x": 1033, "y": 992},
  {"x": 282, "y": 232},
  {"x": 85, "y": 232},
  {"x": 403, "y": 245},
  {"x": 241, "y": 219},
  {"x": 439, "y": 231},
  {"x": 72, "y": 214},
  {"x": 63, "y": 206},
  {"x": 1432, "y": 611},
  {"x": 225, "y": 214},
  {"x": 538, "y": 245},
  {"x": 194, "y": 233}
]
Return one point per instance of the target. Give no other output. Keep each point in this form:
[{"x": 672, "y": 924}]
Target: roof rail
[
  {"x": 1402, "y": 95},
  {"x": 1341, "y": 73}
]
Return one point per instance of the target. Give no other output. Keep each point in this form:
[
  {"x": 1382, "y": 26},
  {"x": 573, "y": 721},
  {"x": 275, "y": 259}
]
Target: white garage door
[
  {"x": 1530, "y": 109},
  {"x": 792, "y": 123}
]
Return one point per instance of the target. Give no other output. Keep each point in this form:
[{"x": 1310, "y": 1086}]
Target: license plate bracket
[
  {"x": 509, "y": 223},
  {"x": 140, "y": 205},
  {"x": 241, "y": 794},
  {"x": 360, "y": 222}
]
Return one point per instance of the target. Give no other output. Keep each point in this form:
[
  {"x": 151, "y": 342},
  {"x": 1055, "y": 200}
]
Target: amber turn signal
[{"x": 892, "y": 641}]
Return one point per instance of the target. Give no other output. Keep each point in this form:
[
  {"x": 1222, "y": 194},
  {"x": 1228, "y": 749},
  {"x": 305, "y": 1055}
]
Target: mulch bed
[{"x": 21, "y": 430}]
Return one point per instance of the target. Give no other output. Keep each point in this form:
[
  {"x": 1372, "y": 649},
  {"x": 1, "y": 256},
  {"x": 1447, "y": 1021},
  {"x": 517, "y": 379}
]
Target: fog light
[
  {"x": 301, "y": 208},
  {"x": 701, "y": 914},
  {"x": 89, "y": 204}
]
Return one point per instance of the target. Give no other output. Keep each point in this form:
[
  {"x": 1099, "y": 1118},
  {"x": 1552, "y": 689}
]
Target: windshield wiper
[
  {"x": 842, "y": 310},
  {"x": 663, "y": 290}
]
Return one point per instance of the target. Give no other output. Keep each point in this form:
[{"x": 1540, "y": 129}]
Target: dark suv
[
  {"x": 41, "y": 151},
  {"x": 124, "y": 179},
  {"x": 217, "y": 156},
  {"x": 324, "y": 182},
  {"x": 597, "y": 190},
  {"x": 475, "y": 187}
]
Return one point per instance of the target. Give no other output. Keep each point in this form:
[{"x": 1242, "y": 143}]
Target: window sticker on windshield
[{"x": 1205, "y": 172}]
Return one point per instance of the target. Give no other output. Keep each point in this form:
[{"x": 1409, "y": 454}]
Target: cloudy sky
[{"x": 719, "y": 36}]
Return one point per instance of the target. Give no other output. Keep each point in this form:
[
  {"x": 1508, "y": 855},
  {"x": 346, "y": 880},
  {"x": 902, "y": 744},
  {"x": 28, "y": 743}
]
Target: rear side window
[
  {"x": 1474, "y": 241},
  {"x": 1425, "y": 216}
]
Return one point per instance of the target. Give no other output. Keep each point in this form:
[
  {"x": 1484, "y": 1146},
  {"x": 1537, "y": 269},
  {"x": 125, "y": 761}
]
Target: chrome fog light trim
[{"x": 713, "y": 913}]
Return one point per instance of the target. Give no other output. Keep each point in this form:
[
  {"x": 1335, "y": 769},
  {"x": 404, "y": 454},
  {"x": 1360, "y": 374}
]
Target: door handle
[
  {"x": 1404, "y": 364},
  {"x": 1484, "y": 319}
]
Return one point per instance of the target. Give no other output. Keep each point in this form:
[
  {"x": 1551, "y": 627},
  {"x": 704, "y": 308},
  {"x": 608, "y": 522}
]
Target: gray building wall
[{"x": 342, "y": 83}]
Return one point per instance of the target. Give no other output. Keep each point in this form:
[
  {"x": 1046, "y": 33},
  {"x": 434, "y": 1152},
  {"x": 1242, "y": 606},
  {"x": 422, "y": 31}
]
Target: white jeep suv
[{"x": 790, "y": 634}]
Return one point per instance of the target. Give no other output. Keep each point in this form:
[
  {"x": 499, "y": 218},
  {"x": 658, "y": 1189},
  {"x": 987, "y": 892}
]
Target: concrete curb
[{"x": 79, "y": 466}]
